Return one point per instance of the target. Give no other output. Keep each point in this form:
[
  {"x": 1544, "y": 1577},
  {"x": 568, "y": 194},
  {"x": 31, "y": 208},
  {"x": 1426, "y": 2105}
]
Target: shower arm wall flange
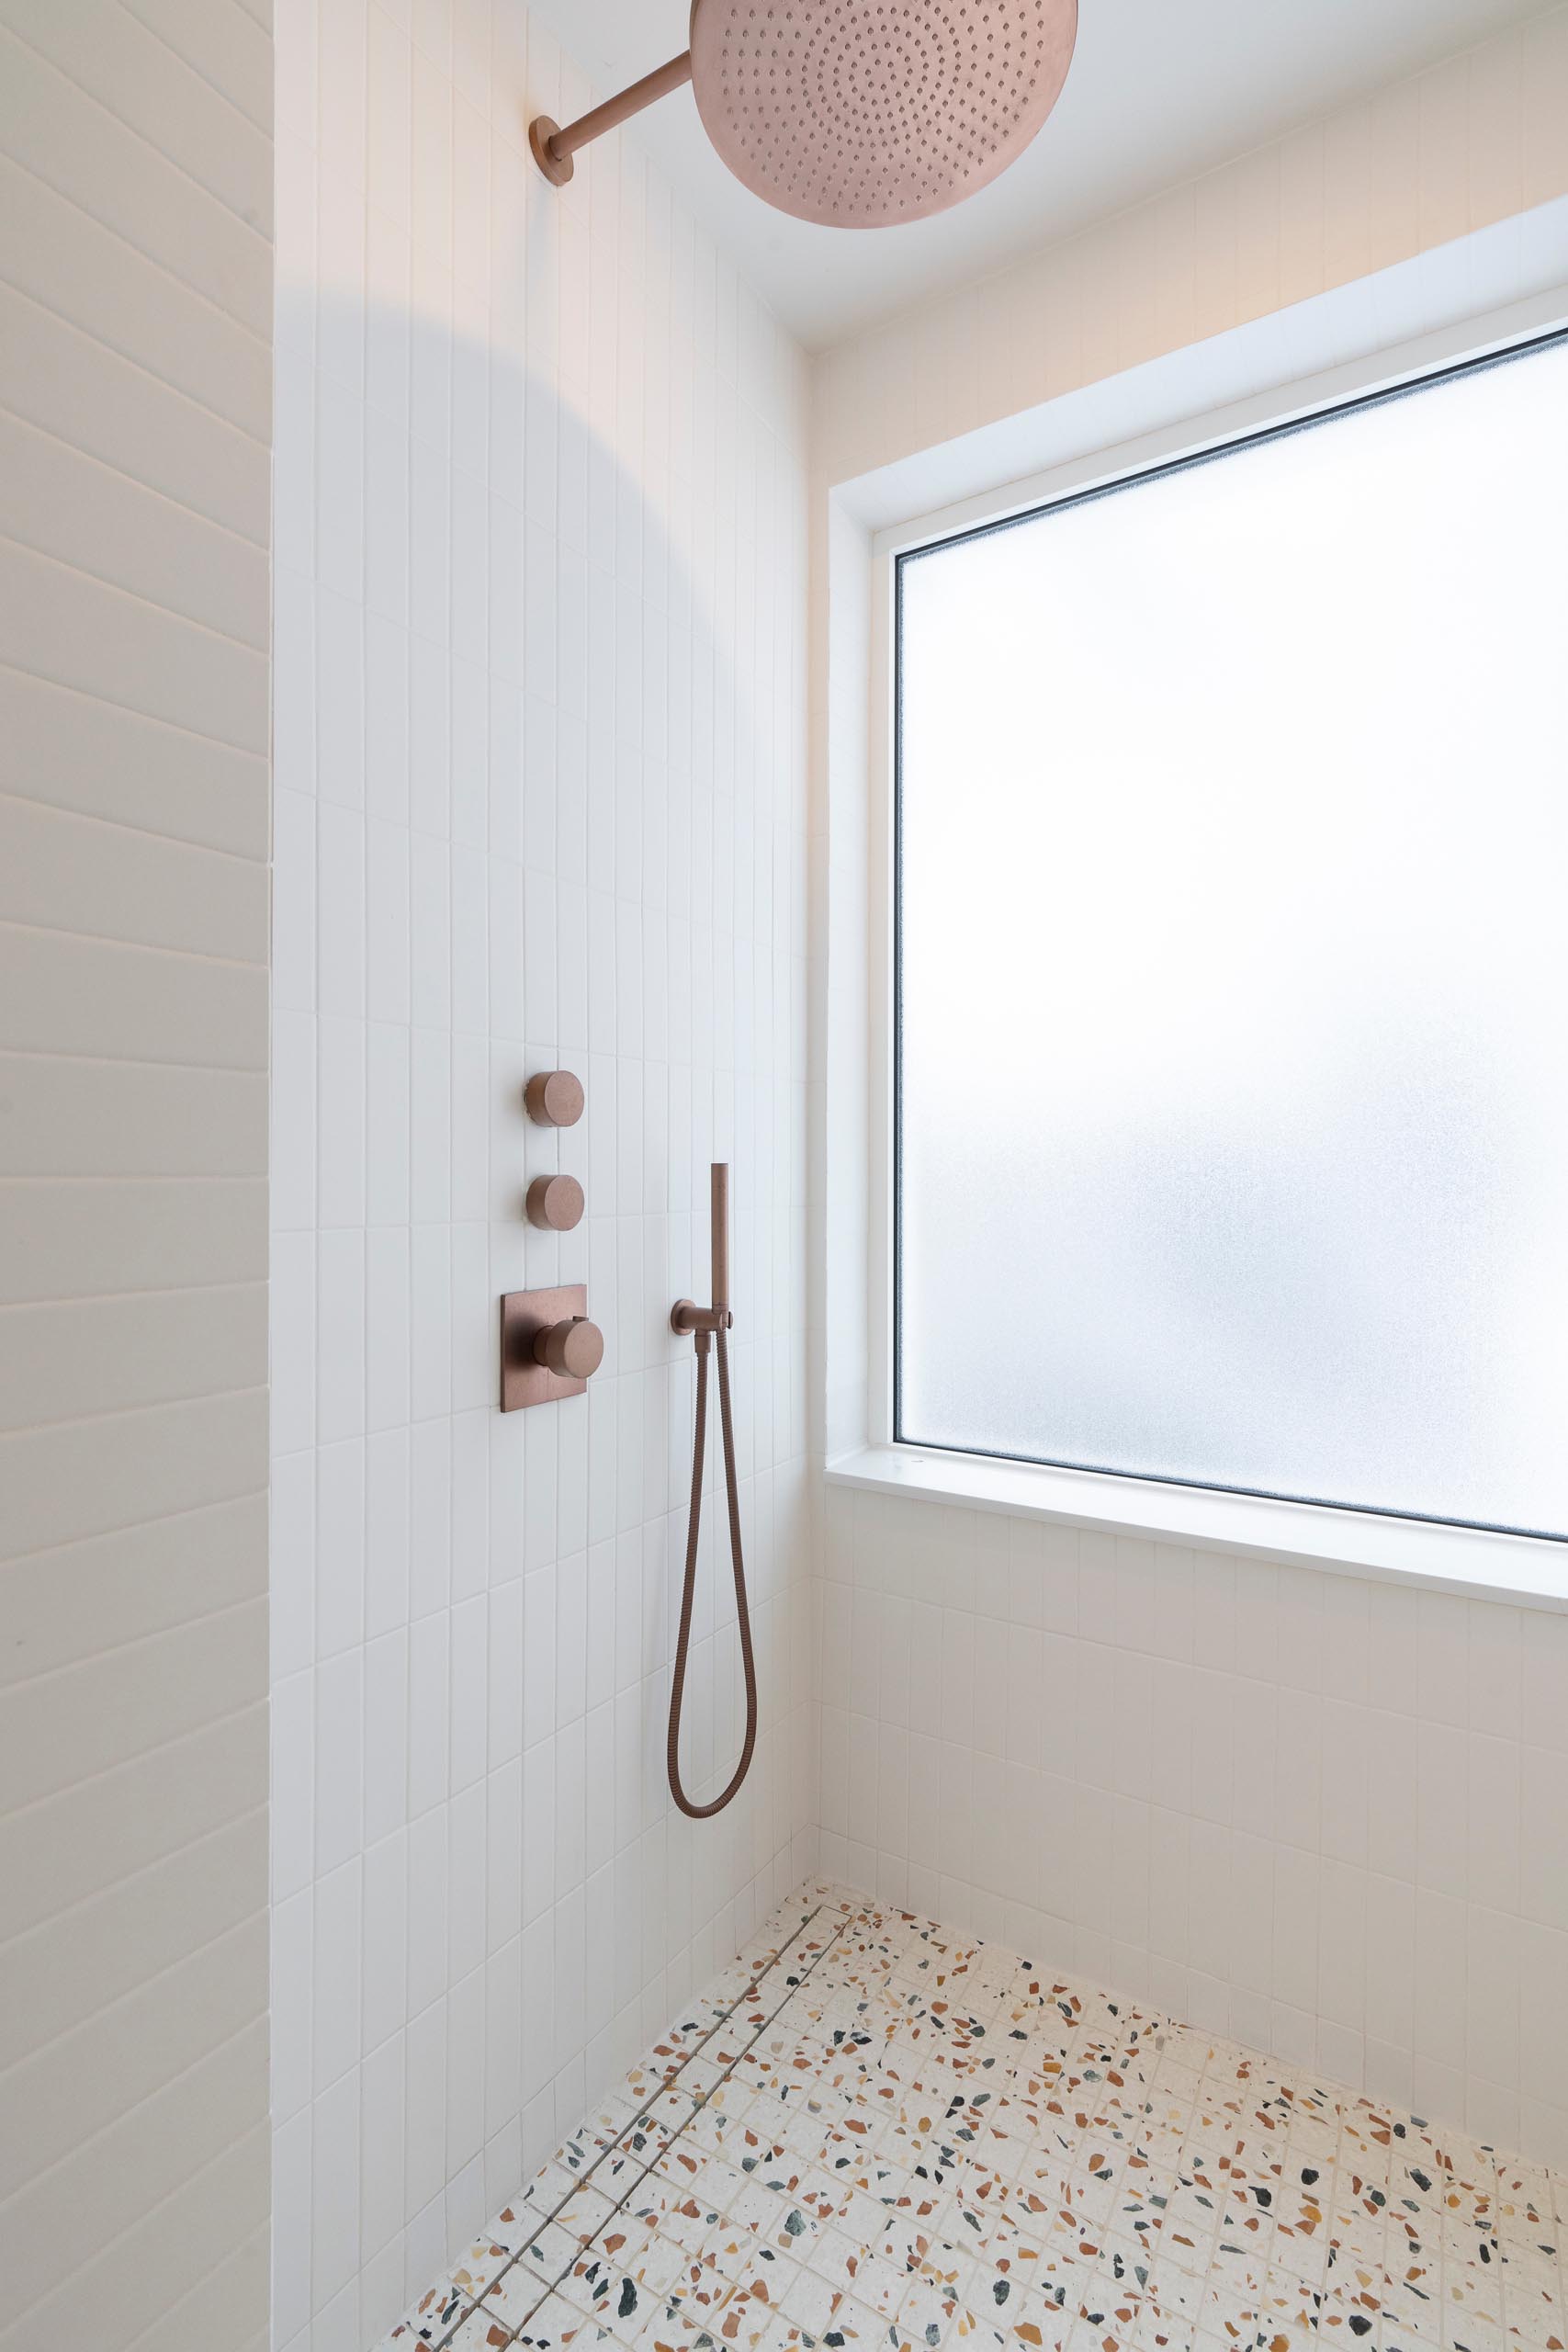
[{"x": 553, "y": 147}]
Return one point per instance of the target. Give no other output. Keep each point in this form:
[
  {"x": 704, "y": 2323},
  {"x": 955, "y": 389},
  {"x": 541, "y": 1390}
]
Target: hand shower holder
[
  {"x": 694, "y": 1321},
  {"x": 700, "y": 1323}
]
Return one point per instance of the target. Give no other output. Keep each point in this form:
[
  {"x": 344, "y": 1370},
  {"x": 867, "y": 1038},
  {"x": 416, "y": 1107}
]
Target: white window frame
[{"x": 858, "y": 753}]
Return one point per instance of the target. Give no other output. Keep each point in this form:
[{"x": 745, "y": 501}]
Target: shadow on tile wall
[{"x": 539, "y": 802}]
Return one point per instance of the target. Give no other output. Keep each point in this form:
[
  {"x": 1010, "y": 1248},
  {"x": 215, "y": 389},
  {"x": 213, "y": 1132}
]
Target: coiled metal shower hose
[{"x": 689, "y": 1590}]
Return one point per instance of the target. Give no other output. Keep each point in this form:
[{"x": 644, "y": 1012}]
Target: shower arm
[{"x": 553, "y": 147}]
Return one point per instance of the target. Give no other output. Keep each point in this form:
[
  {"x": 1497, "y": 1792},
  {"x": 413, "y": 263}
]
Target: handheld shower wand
[{"x": 708, "y": 1325}]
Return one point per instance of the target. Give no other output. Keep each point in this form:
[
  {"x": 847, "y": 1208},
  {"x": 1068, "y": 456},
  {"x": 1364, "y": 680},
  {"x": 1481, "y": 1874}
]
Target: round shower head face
[{"x": 857, "y": 114}]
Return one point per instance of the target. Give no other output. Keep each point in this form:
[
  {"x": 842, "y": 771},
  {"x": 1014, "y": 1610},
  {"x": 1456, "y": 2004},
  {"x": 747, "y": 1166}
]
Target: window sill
[{"x": 1529, "y": 1571}]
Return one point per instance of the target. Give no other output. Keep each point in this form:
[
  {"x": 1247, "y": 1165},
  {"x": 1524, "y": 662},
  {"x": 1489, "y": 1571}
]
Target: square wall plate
[{"x": 524, "y": 1313}]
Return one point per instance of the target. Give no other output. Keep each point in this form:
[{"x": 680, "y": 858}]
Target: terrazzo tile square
[
  {"x": 701, "y": 2075},
  {"x": 481, "y": 2331},
  {"x": 517, "y": 2293},
  {"x": 854, "y": 2324},
  {"x": 723, "y": 2121},
  {"x": 546, "y": 2251},
  {"x": 925, "y": 2311},
  {"x": 733, "y": 1987},
  {"x": 619, "y": 2173},
  {"x": 587, "y": 2212},
  {"x": 657, "y": 2267},
  {"x": 626, "y": 2235},
  {"x": 494, "y": 2249},
  {"x": 600, "y": 2285},
  {"x": 670, "y": 2210},
  {"x": 691, "y": 2031},
  {"x": 810, "y": 2302},
  {"x": 977, "y": 2331},
  {"x": 1472, "y": 2306},
  {"x": 745, "y": 2319},
  {"x": 610, "y": 2120},
  {"x": 659, "y": 2120},
  {"x": 703, "y": 2288},
  {"x": 833, "y": 2258},
  {"x": 645, "y": 2081},
  {"x": 956, "y": 2272},
  {"x": 433, "y": 2318},
  {"x": 735, "y": 2036},
  {"x": 1108, "y": 2315},
  {"x": 549, "y": 2189},
  {"x": 556, "y": 2325},
  {"x": 776, "y": 1937}
]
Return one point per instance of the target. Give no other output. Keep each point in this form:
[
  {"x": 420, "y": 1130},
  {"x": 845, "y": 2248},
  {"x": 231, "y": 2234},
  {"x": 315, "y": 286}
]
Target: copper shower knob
[
  {"x": 573, "y": 1350},
  {"x": 553, "y": 1098},
  {"x": 548, "y": 1348},
  {"x": 555, "y": 1203}
]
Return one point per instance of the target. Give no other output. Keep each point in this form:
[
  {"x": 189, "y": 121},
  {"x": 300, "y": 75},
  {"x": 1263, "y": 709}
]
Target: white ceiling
[{"x": 1158, "y": 90}]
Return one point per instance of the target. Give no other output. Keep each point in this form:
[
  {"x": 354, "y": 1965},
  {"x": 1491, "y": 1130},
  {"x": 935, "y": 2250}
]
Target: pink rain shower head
[{"x": 855, "y": 114}]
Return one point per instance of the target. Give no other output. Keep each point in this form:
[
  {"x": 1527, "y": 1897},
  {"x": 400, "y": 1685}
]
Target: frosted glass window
[{"x": 1233, "y": 967}]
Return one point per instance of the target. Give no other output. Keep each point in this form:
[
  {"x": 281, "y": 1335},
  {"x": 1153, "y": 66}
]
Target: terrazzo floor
[{"x": 870, "y": 2133}]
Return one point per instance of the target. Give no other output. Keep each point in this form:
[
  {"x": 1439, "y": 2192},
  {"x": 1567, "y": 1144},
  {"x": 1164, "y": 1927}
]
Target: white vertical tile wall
[
  {"x": 1328, "y": 1816},
  {"x": 1325, "y": 1816},
  {"x": 540, "y": 800},
  {"x": 135, "y": 380}
]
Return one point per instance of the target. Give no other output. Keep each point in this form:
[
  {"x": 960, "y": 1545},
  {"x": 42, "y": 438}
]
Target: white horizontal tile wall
[
  {"x": 1328, "y": 1816},
  {"x": 135, "y": 380},
  {"x": 540, "y": 627},
  {"x": 1325, "y": 1816}
]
